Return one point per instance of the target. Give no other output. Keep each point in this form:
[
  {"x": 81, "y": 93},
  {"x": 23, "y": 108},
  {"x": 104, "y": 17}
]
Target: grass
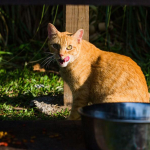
[
  {"x": 19, "y": 87},
  {"x": 8, "y": 112}
]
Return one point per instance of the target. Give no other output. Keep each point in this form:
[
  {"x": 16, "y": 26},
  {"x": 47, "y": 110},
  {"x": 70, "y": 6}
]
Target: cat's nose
[{"x": 61, "y": 55}]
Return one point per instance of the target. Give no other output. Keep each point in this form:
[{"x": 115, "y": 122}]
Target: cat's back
[{"x": 117, "y": 78}]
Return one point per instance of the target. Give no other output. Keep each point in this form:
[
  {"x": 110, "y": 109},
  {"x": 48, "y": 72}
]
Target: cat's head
[{"x": 64, "y": 45}]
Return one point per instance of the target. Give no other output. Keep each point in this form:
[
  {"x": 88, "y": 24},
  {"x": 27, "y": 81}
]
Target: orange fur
[{"x": 94, "y": 75}]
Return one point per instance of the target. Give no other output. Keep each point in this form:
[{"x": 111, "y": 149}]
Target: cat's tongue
[{"x": 66, "y": 59}]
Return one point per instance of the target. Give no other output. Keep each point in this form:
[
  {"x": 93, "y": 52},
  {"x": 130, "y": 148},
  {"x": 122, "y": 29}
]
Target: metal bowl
[{"x": 116, "y": 126}]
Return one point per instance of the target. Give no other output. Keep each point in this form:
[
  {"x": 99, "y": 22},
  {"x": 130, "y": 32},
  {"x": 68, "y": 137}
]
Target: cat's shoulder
[{"x": 111, "y": 58}]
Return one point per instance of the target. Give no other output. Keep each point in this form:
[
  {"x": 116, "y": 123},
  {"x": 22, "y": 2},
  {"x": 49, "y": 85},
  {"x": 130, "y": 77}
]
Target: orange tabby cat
[{"x": 94, "y": 75}]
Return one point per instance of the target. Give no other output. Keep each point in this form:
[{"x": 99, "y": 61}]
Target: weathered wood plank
[
  {"x": 83, "y": 2},
  {"x": 77, "y": 17}
]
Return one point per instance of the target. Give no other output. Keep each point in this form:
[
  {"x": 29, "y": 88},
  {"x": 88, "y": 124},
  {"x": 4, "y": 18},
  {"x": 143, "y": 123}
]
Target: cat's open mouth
[
  {"x": 61, "y": 61},
  {"x": 66, "y": 59}
]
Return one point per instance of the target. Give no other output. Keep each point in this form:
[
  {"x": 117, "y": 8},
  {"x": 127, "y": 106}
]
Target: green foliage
[
  {"x": 23, "y": 32},
  {"x": 22, "y": 36},
  {"x": 23, "y": 82},
  {"x": 126, "y": 26},
  {"x": 19, "y": 87},
  {"x": 23, "y": 23}
]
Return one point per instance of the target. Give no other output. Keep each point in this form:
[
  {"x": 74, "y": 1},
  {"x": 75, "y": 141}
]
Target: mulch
[{"x": 41, "y": 135}]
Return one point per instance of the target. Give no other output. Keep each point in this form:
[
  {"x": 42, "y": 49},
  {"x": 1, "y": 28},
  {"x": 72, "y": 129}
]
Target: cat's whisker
[
  {"x": 48, "y": 63},
  {"x": 47, "y": 59},
  {"x": 37, "y": 60},
  {"x": 49, "y": 53},
  {"x": 45, "y": 62}
]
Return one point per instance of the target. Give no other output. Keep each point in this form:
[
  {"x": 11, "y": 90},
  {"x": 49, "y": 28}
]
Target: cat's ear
[
  {"x": 78, "y": 35},
  {"x": 51, "y": 30}
]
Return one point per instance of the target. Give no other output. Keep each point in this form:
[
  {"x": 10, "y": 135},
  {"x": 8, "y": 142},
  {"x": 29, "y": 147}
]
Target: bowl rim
[{"x": 80, "y": 111}]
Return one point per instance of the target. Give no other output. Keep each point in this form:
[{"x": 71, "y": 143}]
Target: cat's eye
[
  {"x": 56, "y": 46},
  {"x": 69, "y": 47}
]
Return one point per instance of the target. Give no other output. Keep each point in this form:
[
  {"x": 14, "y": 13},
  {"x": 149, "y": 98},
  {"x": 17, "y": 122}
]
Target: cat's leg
[
  {"x": 80, "y": 99},
  {"x": 74, "y": 115}
]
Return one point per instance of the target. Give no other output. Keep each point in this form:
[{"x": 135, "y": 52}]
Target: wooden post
[{"x": 76, "y": 17}]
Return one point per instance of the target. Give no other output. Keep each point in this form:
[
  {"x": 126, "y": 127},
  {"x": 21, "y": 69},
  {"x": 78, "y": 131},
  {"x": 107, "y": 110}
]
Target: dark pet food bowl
[{"x": 116, "y": 126}]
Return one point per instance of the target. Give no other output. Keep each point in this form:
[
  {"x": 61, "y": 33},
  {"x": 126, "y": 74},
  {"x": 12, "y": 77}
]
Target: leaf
[{"x": 2, "y": 52}]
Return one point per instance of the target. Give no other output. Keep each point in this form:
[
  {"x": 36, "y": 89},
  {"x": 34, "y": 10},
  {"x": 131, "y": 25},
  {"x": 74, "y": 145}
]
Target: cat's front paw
[{"x": 74, "y": 117}]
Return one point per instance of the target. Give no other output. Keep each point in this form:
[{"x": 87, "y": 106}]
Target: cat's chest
[{"x": 76, "y": 78}]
